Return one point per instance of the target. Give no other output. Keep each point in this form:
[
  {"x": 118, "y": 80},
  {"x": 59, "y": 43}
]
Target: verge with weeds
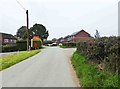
[{"x": 90, "y": 77}]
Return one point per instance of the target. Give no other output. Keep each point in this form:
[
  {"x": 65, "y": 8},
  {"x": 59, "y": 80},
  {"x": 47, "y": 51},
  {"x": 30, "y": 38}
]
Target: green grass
[
  {"x": 13, "y": 59},
  {"x": 90, "y": 77},
  {"x": 67, "y": 46}
]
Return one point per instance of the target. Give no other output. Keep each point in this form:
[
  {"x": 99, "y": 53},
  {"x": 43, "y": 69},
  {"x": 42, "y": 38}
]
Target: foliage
[
  {"x": 22, "y": 45},
  {"x": 97, "y": 34},
  {"x": 39, "y": 43},
  {"x": 39, "y": 30},
  {"x": 13, "y": 59},
  {"x": 68, "y": 45},
  {"x": 9, "y": 48},
  {"x": 22, "y": 32},
  {"x": 36, "y": 30},
  {"x": 90, "y": 77},
  {"x": 103, "y": 50}
]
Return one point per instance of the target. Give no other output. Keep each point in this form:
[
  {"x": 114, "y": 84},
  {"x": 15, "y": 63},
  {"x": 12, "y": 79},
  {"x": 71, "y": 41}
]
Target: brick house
[
  {"x": 75, "y": 37},
  {"x": 80, "y": 35},
  {"x": 7, "y": 39}
]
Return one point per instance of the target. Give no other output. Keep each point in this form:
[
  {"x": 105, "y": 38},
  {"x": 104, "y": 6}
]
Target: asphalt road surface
[{"x": 49, "y": 68}]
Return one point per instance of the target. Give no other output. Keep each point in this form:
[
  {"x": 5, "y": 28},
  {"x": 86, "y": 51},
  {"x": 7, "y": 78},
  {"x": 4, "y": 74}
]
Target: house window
[
  {"x": 6, "y": 40},
  {"x": 11, "y": 41}
]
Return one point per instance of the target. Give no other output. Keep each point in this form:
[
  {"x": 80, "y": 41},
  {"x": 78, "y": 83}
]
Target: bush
[
  {"x": 104, "y": 50},
  {"x": 9, "y": 48},
  {"x": 69, "y": 44},
  {"x": 90, "y": 77},
  {"x": 39, "y": 44},
  {"x": 22, "y": 45}
]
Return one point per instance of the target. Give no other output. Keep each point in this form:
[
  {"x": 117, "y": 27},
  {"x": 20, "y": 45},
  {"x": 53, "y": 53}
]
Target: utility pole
[
  {"x": 27, "y": 30},
  {"x": 27, "y": 18}
]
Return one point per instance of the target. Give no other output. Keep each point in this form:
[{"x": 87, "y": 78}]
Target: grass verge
[
  {"x": 62, "y": 46},
  {"x": 13, "y": 59},
  {"x": 90, "y": 77}
]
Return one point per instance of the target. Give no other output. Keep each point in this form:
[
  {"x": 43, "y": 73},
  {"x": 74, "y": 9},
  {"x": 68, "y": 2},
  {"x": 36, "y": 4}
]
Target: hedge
[
  {"x": 9, "y": 48},
  {"x": 103, "y": 50},
  {"x": 22, "y": 45},
  {"x": 69, "y": 44}
]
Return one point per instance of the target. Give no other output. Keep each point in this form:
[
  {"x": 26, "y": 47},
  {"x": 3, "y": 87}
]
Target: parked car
[{"x": 54, "y": 44}]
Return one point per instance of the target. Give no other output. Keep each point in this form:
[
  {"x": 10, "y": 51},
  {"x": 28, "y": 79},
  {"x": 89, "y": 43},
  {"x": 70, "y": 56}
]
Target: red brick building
[
  {"x": 80, "y": 35},
  {"x": 75, "y": 37},
  {"x": 7, "y": 39}
]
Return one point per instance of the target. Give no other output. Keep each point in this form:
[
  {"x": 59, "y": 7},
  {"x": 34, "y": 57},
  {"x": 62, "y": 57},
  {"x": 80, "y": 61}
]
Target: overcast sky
[{"x": 61, "y": 17}]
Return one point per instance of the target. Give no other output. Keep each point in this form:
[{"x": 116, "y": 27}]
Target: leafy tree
[
  {"x": 39, "y": 30},
  {"x": 97, "y": 34},
  {"x": 36, "y": 30},
  {"x": 22, "y": 32}
]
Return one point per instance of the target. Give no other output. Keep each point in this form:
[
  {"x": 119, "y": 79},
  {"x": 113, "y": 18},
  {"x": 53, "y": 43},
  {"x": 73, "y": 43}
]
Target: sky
[{"x": 61, "y": 17}]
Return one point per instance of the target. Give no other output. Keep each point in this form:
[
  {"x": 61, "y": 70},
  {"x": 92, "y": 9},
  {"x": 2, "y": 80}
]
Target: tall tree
[
  {"x": 97, "y": 34},
  {"x": 22, "y": 32},
  {"x": 36, "y": 30},
  {"x": 39, "y": 30}
]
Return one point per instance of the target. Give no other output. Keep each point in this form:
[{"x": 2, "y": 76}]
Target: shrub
[
  {"x": 22, "y": 45},
  {"x": 39, "y": 44},
  {"x": 105, "y": 50},
  {"x": 90, "y": 77},
  {"x": 9, "y": 48},
  {"x": 69, "y": 44}
]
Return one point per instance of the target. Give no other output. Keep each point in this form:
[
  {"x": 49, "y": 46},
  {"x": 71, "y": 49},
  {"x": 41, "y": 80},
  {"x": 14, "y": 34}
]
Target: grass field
[
  {"x": 13, "y": 59},
  {"x": 90, "y": 77}
]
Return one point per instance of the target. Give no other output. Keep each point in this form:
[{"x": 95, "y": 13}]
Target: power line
[{"x": 21, "y": 5}]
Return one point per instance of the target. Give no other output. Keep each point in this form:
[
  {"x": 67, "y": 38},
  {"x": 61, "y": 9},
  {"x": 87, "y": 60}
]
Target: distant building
[
  {"x": 75, "y": 37},
  {"x": 54, "y": 40},
  {"x": 60, "y": 40},
  {"x": 7, "y": 39},
  {"x": 80, "y": 35}
]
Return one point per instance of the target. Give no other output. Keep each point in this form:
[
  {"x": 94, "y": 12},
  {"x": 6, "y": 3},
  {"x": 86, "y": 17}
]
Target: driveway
[{"x": 49, "y": 68}]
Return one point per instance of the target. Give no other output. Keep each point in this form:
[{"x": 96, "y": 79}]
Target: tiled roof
[
  {"x": 75, "y": 33},
  {"x": 7, "y": 36}
]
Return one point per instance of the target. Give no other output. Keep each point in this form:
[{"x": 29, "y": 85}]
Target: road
[{"x": 49, "y": 68}]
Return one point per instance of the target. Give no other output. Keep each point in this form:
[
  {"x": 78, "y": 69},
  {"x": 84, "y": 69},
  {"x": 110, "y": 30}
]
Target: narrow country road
[{"x": 49, "y": 68}]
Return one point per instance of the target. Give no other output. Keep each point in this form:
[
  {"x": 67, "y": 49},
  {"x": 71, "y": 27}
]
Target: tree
[
  {"x": 97, "y": 34},
  {"x": 22, "y": 32},
  {"x": 36, "y": 30},
  {"x": 39, "y": 30}
]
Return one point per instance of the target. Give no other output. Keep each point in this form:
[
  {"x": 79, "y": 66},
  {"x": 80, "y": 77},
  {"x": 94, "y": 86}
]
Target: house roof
[
  {"x": 7, "y": 36},
  {"x": 67, "y": 36},
  {"x": 75, "y": 33}
]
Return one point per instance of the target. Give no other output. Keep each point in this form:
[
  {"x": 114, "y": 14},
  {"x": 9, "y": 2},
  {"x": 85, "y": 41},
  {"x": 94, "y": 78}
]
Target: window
[
  {"x": 6, "y": 40},
  {"x": 11, "y": 41}
]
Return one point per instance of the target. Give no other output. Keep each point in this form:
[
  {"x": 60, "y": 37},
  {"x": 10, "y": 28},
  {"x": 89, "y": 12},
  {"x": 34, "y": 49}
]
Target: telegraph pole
[
  {"x": 27, "y": 19},
  {"x": 27, "y": 29}
]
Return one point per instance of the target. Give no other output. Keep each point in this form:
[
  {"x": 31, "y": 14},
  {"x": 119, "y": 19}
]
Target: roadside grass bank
[
  {"x": 13, "y": 59},
  {"x": 90, "y": 77}
]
